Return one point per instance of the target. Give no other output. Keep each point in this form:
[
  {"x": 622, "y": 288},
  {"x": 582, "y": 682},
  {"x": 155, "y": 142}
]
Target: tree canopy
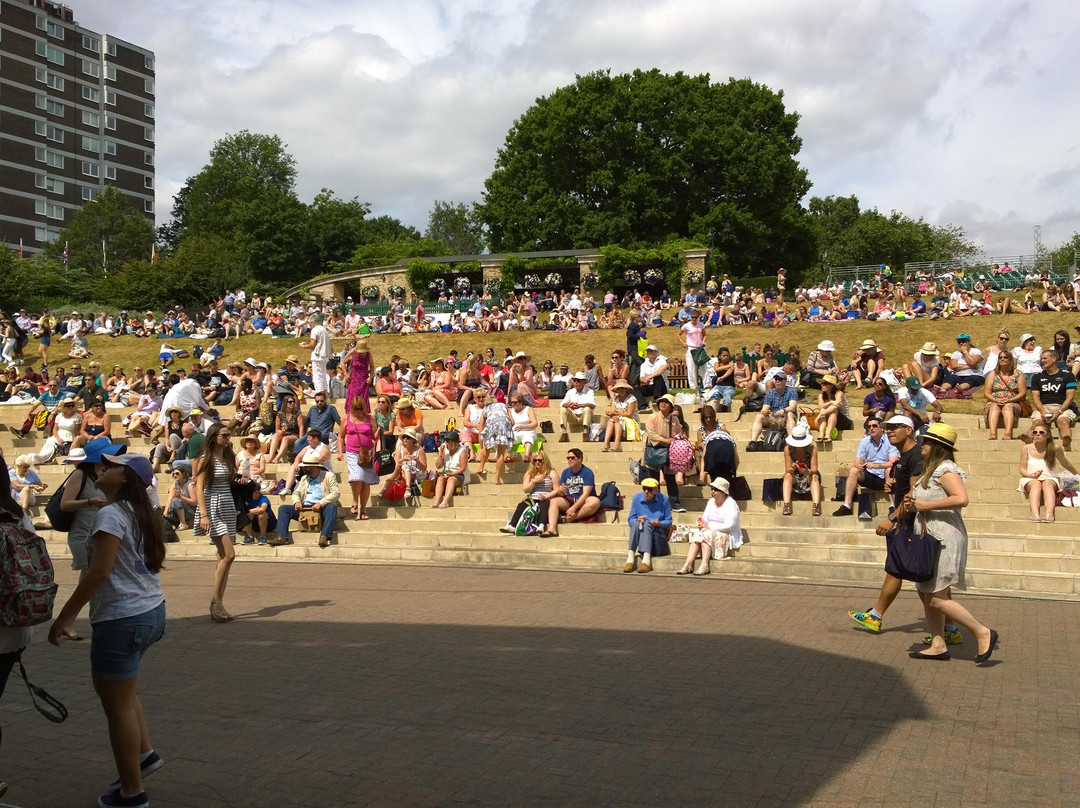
[
  {"x": 848, "y": 236},
  {"x": 113, "y": 219},
  {"x": 637, "y": 159},
  {"x": 458, "y": 226}
]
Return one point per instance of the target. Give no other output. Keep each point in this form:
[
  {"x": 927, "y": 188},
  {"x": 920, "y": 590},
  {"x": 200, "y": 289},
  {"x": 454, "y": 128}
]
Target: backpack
[
  {"x": 774, "y": 439},
  {"x": 680, "y": 455},
  {"x": 611, "y": 498},
  {"x": 197, "y": 352},
  {"x": 26, "y": 572},
  {"x": 431, "y": 442},
  {"x": 526, "y": 524},
  {"x": 751, "y": 405}
]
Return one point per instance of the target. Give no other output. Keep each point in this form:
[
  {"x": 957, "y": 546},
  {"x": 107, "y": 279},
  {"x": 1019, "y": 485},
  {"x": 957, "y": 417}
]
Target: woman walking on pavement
[
  {"x": 215, "y": 514},
  {"x": 937, "y": 496}
]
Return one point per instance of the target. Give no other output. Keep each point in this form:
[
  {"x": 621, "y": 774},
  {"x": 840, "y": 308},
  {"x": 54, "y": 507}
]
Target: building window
[
  {"x": 53, "y": 159},
  {"x": 91, "y": 43},
  {"x": 148, "y": 205},
  {"x": 51, "y": 185},
  {"x": 42, "y": 23},
  {"x": 51, "y": 132},
  {"x": 149, "y": 62},
  {"x": 91, "y": 93},
  {"x": 91, "y": 169},
  {"x": 110, "y": 147},
  {"x": 110, "y": 73},
  {"x": 54, "y": 55},
  {"x": 91, "y": 68},
  {"x": 39, "y": 128},
  {"x": 54, "y": 108},
  {"x": 45, "y": 234},
  {"x": 148, "y": 86},
  {"x": 55, "y": 30},
  {"x": 148, "y": 182},
  {"x": 110, "y": 123},
  {"x": 41, "y": 101},
  {"x": 110, "y": 48},
  {"x": 89, "y": 194},
  {"x": 148, "y": 110},
  {"x": 43, "y": 208},
  {"x": 110, "y": 98},
  {"x": 110, "y": 172},
  {"x": 91, "y": 144},
  {"x": 149, "y": 134},
  {"x": 91, "y": 119},
  {"x": 148, "y": 158}
]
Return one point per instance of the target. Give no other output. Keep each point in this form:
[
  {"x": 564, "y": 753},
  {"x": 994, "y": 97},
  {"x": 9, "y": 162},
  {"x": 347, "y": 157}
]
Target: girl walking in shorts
[{"x": 127, "y": 615}]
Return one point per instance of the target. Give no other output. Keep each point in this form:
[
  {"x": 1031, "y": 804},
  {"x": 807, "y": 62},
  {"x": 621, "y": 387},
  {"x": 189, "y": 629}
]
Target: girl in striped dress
[{"x": 215, "y": 514}]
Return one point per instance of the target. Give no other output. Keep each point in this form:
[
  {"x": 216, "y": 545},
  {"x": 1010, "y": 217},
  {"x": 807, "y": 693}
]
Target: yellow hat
[
  {"x": 650, "y": 482},
  {"x": 941, "y": 433}
]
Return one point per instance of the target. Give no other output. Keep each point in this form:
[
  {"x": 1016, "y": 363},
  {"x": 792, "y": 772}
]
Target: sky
[{"x": 956, "y": 112}]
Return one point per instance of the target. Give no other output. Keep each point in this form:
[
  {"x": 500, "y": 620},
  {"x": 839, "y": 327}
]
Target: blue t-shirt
[
  {"x": 575, "y": 483},
  {"x": 918, "y": 307}
]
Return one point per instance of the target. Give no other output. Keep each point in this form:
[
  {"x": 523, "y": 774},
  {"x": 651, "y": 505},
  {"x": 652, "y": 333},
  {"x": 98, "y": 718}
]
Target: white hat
[
  {"x": 652, "y": 348},
  {"x": 1025, "y": 337},
  {"x": 901, "y": 420},
  {"x": 251, "y": 361},
  {"x": 826, "y": 345},
  {"x": 720, "y": 484},
  {"x": 800, "y": 436},
  {"x": 580, "y": 377},
  {"x": 520, "y": 355}
]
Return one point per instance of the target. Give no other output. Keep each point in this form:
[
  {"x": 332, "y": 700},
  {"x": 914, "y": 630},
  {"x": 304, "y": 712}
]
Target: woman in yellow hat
[{"x": 937, "y": 496}]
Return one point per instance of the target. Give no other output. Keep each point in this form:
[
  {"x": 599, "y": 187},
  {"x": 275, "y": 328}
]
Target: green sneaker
[
  {"x": 866, "y": 620},
  {"x": 951, "y": 638}
]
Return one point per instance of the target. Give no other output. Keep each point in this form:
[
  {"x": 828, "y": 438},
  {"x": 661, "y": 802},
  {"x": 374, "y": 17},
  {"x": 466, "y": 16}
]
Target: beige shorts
[{"x": 1054, "y": 412}]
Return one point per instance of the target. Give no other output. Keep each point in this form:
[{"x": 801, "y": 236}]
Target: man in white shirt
[
  {"x": 577, "y": 407},
  {"x": 315, "y": 448},
  {"x": 321, "y": 351},
  {"x": 654, "y": 373},
  {"x": 187, "y": 395}
]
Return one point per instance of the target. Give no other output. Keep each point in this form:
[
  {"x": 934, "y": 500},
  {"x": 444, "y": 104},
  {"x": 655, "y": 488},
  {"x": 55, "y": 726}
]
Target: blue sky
[{"x": 958, "y": 112}]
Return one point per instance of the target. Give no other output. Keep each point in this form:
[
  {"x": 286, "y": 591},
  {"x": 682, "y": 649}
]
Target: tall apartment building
[{"x": 76, "y": 114}]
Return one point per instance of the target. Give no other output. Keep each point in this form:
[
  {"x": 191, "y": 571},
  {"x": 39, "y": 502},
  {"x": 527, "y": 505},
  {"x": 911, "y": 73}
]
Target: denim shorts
[{"x": 117, "y": 646}]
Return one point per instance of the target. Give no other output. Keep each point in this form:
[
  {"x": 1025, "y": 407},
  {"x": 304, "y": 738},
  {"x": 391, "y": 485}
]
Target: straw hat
[
  {"x": 409, "y": 432},
  {"x": 622, "y": 384},
  {"x": 868, "y": 345},
  {"x": 404, "y": 403},
  {"x": 800, "y": 436},
  {"x": 720, "y": 484},
  {"x": 941, "y": 433},
  {"x": 830, "y": 379},
  {"x": 929, "y": 348}
]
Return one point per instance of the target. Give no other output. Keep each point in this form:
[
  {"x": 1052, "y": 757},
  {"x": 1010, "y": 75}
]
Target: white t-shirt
[
  {"x": 131, "y": 588},
  {"x": 648, "y": 367},
  {"x": 927, "y": 361},
  {"x": 975, "y": 354},
  {"x": 321, "y": 350},
  {"x": 572, "y": 396},
  {"x": 922, "y": 401},
  {"x": 1028, "y": 362}
]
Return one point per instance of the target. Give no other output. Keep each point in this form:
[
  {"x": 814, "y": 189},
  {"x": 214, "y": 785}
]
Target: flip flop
[
  {"x": 364, "y": 517},
  {"x": 352, "y": 510}
]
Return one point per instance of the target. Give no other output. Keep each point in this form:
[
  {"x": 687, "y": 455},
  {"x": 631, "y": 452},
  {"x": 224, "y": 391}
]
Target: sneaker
[
  {"x": 248, "y": 540},
  {"x": 865, "y": 619},
  {"x": 285, "y": 492},
  {"x": 114, "y": 799},
  {"x": 263, "y": 540},
  {"x": 678, "y": 507},
  {"x": 152, "y": 763},
  {"x": 843, "y": 510},
  {"x": 277, "y": 489},
  {"x": 951, "y": 638},
  {"x": 508, "y": 528}
]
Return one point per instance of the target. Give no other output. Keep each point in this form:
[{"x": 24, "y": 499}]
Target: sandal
[
  {"x": 352, "y": 510},
  {"x": 816, "y": 510},
  {"x": 1036, "y": 518},
  {"x": 684, "y": 571},
  {"x": 787, "y": 509},
  {"x": 1048, "y": 520},
  {"x": 218, "y": 613},
  {"x": 364, "y": 517}
]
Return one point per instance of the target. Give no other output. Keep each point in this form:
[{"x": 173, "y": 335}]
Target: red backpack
[{"x": 26, "y": 574}]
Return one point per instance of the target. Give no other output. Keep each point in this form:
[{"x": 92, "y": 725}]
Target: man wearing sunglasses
[{"x": 650, "y": 521}]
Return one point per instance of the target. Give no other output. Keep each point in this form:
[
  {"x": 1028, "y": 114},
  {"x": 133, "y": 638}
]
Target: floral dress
[
  {"x": 498, "y": 429},
  {"x": 1003, "y": 388}
]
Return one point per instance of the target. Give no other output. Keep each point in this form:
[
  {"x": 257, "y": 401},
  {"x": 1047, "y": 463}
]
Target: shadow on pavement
[{"x": 287, "y": 713}]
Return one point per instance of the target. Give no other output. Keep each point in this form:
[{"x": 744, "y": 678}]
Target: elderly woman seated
[
  {"x": 620, "y": 417},
  {"x": 718, "y": 531},
  {"x": 25, "y": 482}
]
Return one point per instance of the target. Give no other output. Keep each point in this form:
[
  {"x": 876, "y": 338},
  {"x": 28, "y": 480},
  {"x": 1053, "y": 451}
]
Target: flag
[
  {"x": 65, "y": 254},
  {"x": 153, "y": 252},
  {"x": 20, "y": 247},
  {"x": 104, "y": 257}
]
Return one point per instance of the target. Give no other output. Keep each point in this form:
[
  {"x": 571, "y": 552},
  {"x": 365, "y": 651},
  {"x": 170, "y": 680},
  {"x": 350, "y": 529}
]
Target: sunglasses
[
  {"x": 536, "y": 460},
  {"x": 1040, "y": 432}
]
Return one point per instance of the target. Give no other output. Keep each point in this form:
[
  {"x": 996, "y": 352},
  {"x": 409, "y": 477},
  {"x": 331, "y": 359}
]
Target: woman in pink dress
[{"x": 358, "y": 376}]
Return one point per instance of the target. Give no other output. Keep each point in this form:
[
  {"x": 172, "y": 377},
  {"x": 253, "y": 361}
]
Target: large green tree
[
  {"x": 112, "y": 219},
  {"x": 636, "y": 159},
  {"x": 458, "y": 226},
  {"x": 848, "y": 236}
]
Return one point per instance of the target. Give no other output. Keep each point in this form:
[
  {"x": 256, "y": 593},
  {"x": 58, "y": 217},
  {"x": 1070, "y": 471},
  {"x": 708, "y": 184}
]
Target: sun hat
[
  {"x": 580, "y": 377},
  {"x": 670, "y": 399},
  {"x": 720, "y": 484},
  {"x": 800, "y": 436},
  {"x": 244, "y": 441},
  {"x": 826, "y": 345},
  {"x": 251, "y": 361},
  {"x": 451, "y": 435},
  {"x": 138, "y": 463},
  {"x": 292, "y": 358},
  {"x": 196, "y": 411},
  {"x": 651, "y": 347},
  {"x": 912, "y": 383},
  {"x": 650, "y": 482},
  {"x": 409, "y": 432},
  {"x": 941, "y": 433},
  {"x": 868, "y": 344},
  {"x": 264, "y": 366},
  {"x": 310, "y": 460},
  {"x": 92, "y": 451},
  {"x": 901, "y": 420},
  {"x": 521, "y": 355},
  {"x": 929, "y": 348},
  {"x": 404, "y": 403},
  {"x": 1025, "y": 337},
  {"x": 622, "y": 384},
  {"x": 963, "y": 336},
  {"x": 828, "y": 378}
]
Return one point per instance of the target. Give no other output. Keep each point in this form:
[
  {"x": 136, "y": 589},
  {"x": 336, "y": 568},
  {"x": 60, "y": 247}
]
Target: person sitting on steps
[{"x": 873, "y": 460}]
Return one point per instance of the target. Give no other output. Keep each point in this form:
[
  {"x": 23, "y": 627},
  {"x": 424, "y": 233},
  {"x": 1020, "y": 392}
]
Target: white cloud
[{"x": 959, "y": 112}]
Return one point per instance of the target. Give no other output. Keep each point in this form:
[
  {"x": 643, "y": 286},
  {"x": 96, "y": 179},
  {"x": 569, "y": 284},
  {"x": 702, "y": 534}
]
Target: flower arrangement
[
  {"x": 437, "y": 285},
  {"x": 493, "y": 285},
  {"x": 532, "y": 281},
  {"x": 370, "y": 292},
  {"x": 653, "y": 277},
  {"x": 553, "y": 279},
  {"x": 461, "y": 283},
  {"x": 694, "y": 276},
  {"x": 395, "y": 291},
  {"x": 631, "y": 277},
  {"x": 590, "y": 280}
]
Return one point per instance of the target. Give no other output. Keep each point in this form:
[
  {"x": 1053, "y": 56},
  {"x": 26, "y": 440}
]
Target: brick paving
[{"x": 343, "y": 685}]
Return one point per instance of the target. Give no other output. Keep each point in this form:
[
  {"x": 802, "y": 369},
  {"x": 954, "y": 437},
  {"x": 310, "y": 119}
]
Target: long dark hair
[
  {"x": 133, "y": 498},
  {"x": 7, "y": 502},
  {"x": 206, "y": 456}
]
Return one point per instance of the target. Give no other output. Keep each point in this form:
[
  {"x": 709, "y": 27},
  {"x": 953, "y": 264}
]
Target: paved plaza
[{"x": 386, "y": 686}]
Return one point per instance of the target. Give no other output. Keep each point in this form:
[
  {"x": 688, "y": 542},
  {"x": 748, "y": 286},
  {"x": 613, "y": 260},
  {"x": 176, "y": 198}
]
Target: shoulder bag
[{"x": 911, "y": 556}]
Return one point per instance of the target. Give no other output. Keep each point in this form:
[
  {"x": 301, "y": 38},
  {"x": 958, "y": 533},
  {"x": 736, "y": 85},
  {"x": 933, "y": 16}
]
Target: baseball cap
[
  {"x": 901, "y": 420},
  {"x": 138, "y": 463}
]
